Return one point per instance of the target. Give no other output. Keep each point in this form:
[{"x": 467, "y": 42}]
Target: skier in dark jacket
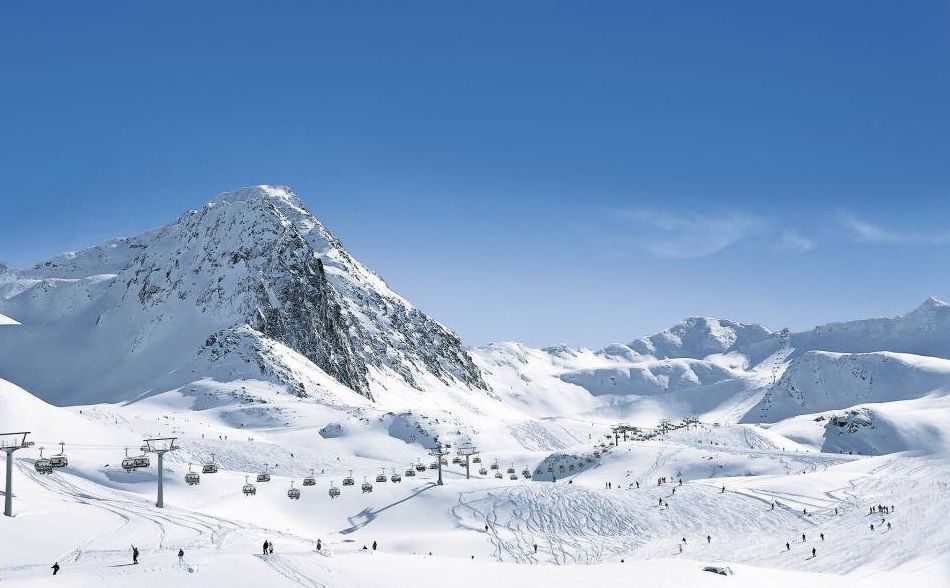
[
  {"x": 55, "y": 567},
  {"x": 374, "y": 546},
  {"x": 266, "y": 545},
  {"x": 135, "y": 554}
]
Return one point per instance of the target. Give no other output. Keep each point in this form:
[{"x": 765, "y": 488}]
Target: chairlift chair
[
  {"x": 141, "y": 461},
  {"x": 511, "y": 469},
  {"x": 526, "y": 473},
  {"x": 482, "y": 471},
  {"x": 410, "y": 472},
  {"x": 263, "y": 476},
  {"x": 249, "y": 489},
  {"x": 192, "y": 478},
  {"x": 476, "y": 459},
  {"x": 293, "y": 493},
  {"x": 494, "y": 466},
  {"x": 434, "y": 465},
  {"x": 513, "y": 476},
  {"x": 420, "y": 467},
  {"x": 381, "y": 477},
  {"x": 210, "y": 467},
  {"x": 348, "y": 481},
  {"x": 367, "y": 487},
  {"x": 310, "y": 480},
  {"x": 395, "y": 477},
  {"x": 456, "y": 460},
  {"x": 128, "y": 463},
  {"x": 59, "y": 461},
  {"x": 334, "y": 491},
  {"x": 42, "y": 465},
  {"x": 498, "y": 475}
]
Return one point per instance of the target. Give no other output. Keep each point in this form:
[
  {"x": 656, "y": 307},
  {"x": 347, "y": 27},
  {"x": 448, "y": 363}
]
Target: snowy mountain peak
[
  {"x": 698, "y": 337},
  {"x": 931, "y": 303},
  {"x": 253, "y": 261}
]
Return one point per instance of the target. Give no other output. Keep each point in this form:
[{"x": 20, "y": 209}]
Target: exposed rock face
[{"x": 253, "y": 262}]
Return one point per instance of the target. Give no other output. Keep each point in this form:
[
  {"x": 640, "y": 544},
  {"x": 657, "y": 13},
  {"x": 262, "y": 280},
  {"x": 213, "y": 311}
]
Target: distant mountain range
[{"x": 252, "y": 286}]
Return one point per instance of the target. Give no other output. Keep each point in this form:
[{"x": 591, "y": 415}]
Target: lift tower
[
  {"x": 160, "y": 447},
  {"x": 10, "y": 442},
  {"x": 438, "y": 452},
  {"x": 467, "y": 451}
]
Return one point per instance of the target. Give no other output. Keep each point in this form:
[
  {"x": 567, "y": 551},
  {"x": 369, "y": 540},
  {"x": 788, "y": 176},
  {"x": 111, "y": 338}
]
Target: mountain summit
[{"x": 242, "y": 287}]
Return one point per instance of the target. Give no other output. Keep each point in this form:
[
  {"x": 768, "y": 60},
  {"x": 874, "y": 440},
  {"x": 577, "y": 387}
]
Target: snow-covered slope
[
  {"x": 248, "y": 270},
  {"x": 820, "y": 381}
]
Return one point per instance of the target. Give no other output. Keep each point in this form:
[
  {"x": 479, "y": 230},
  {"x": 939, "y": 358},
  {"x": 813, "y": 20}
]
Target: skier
[
  {"x": 888, "y": 526},
  {"x": 266, "y": 545},
  {"x": 135, "y": 555},
  {"x": 773, "y": 506},
  {"x": 681, "y": 548},
  {"x": 660, "y": 503},
  {"x": 803, "y": 537},
  {"x": 674, "y": 490},
  {"x": 181, "y": 555},
  {"x": 708, "y": 539},
  {"x": 813, "y": 552},
  {"x": 723, "y": 490},
  {"x": 872, "y": 526},
  {"x": 684, "y": 540},
  {"x": 535, "y": 547},
  {"x": 319, "y": 545},
  {"x": 638, "y": 484},
  {"x": 374, "y": 546},
  {"x": 822, "y": 535},
  {"x": 787, "y": 546},
  {"x": 55, "y": 567},
  {"x": 270, "y": 548}
]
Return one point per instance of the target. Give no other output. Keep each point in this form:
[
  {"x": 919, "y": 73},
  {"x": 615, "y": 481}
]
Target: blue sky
[{"x": 548, "y": 172}]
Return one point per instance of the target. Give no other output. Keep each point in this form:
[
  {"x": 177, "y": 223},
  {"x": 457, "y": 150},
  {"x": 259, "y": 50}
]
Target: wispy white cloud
[
  {"x": 869, "y": 232},
  {"x": 691, "y": 234},
  {"x": 792, "y": 240}
]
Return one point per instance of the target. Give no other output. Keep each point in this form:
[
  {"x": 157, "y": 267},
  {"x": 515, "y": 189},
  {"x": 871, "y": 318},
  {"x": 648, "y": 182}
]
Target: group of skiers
[{"x": 135, "y": 558}]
